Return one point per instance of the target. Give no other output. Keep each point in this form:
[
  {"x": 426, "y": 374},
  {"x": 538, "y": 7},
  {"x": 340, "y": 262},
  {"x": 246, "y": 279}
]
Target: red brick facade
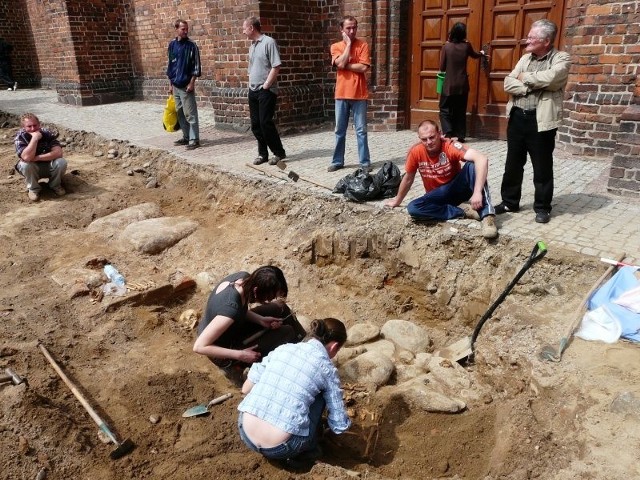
[
  {"x": 602, "y": 38},
  {"x": 96, "y": 51}
]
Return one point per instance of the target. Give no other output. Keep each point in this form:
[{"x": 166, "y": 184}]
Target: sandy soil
[{"x": 540, "y": 420}]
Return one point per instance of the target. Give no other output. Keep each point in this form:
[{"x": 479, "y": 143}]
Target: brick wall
[
  {"x": 97, "y": 51},
  {"x": 384, "y": 25},
  {"x": 14, "y": 30},
  {"x": 624, "y": 176},
  {"x": 79, "y": 47},
  {"x": 100, "y": 46},
  {"x": 602, "y": 37},
  {"x": 37, "y": 31}
]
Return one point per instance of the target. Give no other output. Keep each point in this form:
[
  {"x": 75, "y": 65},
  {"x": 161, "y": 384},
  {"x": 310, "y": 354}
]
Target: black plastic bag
[
  {"x": 389, "y": 179},
  {"x": 360, "y": 186}
]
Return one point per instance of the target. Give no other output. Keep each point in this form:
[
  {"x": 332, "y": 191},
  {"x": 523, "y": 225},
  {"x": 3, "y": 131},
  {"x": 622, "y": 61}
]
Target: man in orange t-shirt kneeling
[
  {"x": 351, "y": 59},
  {"x": 452, "y": 174}
]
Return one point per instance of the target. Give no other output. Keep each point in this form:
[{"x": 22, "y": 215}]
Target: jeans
[
  {"x": 442, "y": 203},
  {"x": 187, "y": 114},
  {"x": 262, "y": 108},
  {"x": 296, "y": 444},
  {"x": 522, "y": 138},
  {"x": 34, "y": 171},
  {"x": 343, "y": 110}
]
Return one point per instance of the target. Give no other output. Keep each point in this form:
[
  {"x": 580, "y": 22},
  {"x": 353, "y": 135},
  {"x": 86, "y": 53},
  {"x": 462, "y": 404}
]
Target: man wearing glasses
[{"x": 536, "y": 86}]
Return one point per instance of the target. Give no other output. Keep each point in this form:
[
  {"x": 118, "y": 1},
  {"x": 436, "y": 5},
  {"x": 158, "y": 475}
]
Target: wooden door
[
  {"x": 431, "y": 22},
  {"x": 501, "y": 24}
]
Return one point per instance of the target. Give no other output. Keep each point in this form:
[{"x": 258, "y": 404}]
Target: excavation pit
[{"x": 522, "y": 418}]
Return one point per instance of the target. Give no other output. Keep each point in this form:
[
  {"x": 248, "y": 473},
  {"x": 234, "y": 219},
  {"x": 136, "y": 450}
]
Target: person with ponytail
[
  {"x": 287, "y": 393},
  {"x": 455, "y": 91},
  {"x": 233, "y": 336}
]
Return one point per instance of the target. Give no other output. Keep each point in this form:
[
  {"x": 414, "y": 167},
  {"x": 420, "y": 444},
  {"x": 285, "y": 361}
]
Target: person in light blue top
[{"x": 287, "y": 393}]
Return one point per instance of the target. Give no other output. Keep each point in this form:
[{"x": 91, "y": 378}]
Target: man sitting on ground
[
  {"x": 40, "y": 156},
  {"x": 446, "y": 181}
]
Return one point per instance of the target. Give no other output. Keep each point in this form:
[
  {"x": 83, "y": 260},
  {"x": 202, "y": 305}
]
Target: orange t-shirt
[
  {"x": 351, "y": 85},
  {"x": 439, "y": 170}
]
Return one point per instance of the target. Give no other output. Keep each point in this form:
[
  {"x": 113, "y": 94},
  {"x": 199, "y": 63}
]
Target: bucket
[{"x": 439, "y": 82}]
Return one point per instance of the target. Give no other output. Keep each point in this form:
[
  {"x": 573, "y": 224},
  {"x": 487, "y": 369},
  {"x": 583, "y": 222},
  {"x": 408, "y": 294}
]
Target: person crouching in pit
[
  {"x": 287, "y": 393},
  {"x": 232, "y": 335}
]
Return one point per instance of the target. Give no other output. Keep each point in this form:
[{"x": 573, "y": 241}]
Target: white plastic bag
[
  {"x": 630, "y": 299},
  {"x": 599, "y": 324}
]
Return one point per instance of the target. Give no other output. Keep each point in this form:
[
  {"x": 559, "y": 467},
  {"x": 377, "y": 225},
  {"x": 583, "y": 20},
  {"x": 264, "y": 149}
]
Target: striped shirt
[{"x": 286, "y": 383}]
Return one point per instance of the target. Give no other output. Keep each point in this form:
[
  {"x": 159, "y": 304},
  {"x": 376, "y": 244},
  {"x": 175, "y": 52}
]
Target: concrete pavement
[{"x": 585, "y": 217}]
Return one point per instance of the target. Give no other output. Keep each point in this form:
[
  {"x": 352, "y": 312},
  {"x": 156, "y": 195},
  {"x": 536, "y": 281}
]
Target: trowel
[{"x": 204, "y": 408}]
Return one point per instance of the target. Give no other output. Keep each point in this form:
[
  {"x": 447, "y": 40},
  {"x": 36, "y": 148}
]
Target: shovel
[
  {"x": 553, "y": 354},
  {"x": 464, "y": 348},
  {"x": 202, "y": 409},
  {"x": 122, "y": 448}
]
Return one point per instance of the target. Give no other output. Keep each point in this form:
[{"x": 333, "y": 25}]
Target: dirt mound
[{"x": 134, "y": 361}]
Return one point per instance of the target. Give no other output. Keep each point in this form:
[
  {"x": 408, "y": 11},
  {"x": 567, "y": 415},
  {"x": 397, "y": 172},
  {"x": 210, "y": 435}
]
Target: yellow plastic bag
[{"x": 170, "y": 116}]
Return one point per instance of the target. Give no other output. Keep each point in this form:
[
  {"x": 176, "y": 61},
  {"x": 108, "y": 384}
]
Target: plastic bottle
[{"x": 114, "y": 275}]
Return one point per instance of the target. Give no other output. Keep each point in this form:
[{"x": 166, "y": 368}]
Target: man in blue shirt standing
[{"x": 183, "y": 69}]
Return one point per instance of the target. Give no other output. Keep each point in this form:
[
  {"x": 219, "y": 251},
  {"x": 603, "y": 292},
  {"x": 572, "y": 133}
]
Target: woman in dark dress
[{"x": 455, "y": 91}]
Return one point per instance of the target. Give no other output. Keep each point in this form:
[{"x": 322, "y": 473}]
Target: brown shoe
[
  {"x": 489, "y": 228},
  {"x": 34, "y": 196},
  {"x": 470, "y": 213},
  {"x": 59, "y": 191}
]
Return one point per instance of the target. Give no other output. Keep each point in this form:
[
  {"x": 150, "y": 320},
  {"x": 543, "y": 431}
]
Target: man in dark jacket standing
[{"x": 183, "y": 69}]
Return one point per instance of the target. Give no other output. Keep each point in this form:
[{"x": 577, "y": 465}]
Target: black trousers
[
  {"x": 453, "y": 115},
  {"x": 522, "y": 138},
  {"x": 262, "y": 108}
]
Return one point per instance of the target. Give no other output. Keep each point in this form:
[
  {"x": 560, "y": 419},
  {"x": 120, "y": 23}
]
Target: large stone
[
  {"x": 405, "y": 373},
  {"x": 626, "y": 403},
  {"x": 407, "y": 335},
  {"x": 382, "y": 347},
  {"x": 113, "y": 224},
  {"x": 204, "y": 281},
  {"x": 361, "y": 333},
  {"x": 450, "y": 378},
  {"x": 347, "y": 353},
  {"x": 157, "y": 234},
  {"x": 419, "y": 392},
  {"x": 368, "y": 368}
]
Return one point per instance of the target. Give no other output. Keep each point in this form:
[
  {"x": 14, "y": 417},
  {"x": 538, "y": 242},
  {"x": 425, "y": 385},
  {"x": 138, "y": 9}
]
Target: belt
[{"x": 523, "y": 112}]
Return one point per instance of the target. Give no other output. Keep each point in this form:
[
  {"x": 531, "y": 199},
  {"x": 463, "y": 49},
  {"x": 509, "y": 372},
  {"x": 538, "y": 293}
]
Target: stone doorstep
[{"x": 160, "y": 294}]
